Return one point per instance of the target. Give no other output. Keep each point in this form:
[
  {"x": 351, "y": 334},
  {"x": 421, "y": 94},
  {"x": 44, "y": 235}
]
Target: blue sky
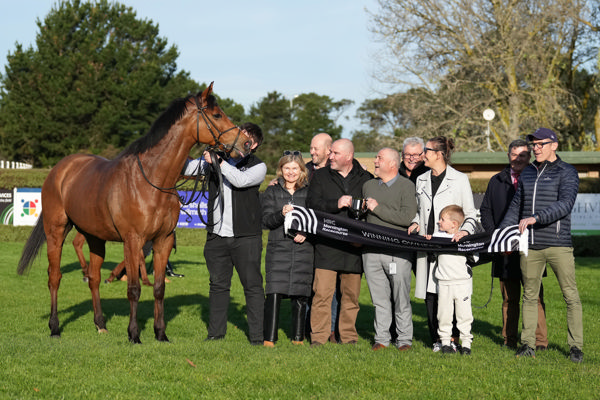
[{"x": 249, "y": 48}]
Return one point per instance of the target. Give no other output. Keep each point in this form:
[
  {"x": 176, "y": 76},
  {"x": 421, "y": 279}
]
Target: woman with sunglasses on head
[
  {"x": 289, "y": 260},
  {"x": 437, "y": 188}
]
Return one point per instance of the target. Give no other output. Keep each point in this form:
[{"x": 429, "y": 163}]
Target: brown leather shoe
[
  {"x": 316, "y": 344},
  {"x": 540, "y": 347},
  {"x": 332, "y": 338},
  {"x": 404, "y": 347},
  {"x": 377, "y": 346}
]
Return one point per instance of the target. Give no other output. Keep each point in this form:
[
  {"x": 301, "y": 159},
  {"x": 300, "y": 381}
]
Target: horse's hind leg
[
  {"x": 97, "y": 252},
  {"x": 78, "y": 243},
  {"x": 55, "y": 237},
  {"x": 115, "y": 272}
]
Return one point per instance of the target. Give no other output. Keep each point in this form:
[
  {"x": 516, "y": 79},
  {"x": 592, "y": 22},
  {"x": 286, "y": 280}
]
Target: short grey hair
[{"x": 411, "y": 141}]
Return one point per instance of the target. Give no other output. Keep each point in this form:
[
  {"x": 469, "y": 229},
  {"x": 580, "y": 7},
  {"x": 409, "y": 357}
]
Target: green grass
[{"x": 86, "y": 364}]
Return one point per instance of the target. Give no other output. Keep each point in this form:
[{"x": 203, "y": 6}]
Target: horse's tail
[{"x": 32, "y": 246}]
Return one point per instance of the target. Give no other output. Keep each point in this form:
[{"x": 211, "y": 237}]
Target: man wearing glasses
[
  {"x": 545, "y": 196},
  {"x": 507, "y": 267},
  {"x": 412, "y": 164}
]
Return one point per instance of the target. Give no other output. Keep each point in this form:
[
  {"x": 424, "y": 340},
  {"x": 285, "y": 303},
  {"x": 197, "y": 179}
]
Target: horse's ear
[{"x": 207, "y": 91}]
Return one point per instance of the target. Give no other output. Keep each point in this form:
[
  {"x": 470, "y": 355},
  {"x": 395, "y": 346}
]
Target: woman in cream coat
[{"x": 436, "y": 189}]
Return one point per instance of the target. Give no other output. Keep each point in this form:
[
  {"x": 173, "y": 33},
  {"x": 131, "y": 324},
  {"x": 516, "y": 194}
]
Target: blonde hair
[
  {"x": 454, "y": 213},
  {"x": 303, "y": 178}
]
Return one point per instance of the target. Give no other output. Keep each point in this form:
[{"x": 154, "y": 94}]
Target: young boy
[{"x": 455, "y": 285}]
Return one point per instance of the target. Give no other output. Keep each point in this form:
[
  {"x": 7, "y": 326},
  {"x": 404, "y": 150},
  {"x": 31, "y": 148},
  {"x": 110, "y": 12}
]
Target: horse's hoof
[
  {"x": 55, "y": 335},
  {"x": 102, "y": 330},
  {"x": 162, "y": 338},
  {"x": 135, "y": 340},
  {"x": 86, "y": 279},
  {"x": 106, "y": 281}
]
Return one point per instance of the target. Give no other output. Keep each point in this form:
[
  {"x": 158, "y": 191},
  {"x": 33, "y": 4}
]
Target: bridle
[{"x": 218, "y": 145}]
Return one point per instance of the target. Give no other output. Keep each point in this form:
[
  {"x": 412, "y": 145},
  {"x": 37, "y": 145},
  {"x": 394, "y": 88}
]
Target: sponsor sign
[
  {"x": 6, "y": 207},
  {"x": 585, "y": 217},
  {"x": 188, "y": 214},
  {"x": 27, "y": 206}
]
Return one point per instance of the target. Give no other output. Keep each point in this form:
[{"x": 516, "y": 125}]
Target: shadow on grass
[{"x": 145, "y": 312}]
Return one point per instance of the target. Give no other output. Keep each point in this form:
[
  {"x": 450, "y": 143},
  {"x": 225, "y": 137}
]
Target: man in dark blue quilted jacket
[{"x": 542, "y": 205}]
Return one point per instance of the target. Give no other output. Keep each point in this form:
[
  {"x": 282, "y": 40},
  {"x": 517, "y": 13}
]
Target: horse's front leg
[
  {"x": 97, "y": 253},
  {"x": 162, "y": 250},
  {"x": 132, "y": 261}
]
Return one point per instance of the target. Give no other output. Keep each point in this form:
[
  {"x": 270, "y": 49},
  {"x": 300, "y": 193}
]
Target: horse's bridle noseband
[{"x": 218, "y": 144}]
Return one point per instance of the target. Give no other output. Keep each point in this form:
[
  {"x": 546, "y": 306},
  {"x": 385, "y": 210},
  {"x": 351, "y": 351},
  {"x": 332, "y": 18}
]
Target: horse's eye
[{"x": 217, "y": 116}]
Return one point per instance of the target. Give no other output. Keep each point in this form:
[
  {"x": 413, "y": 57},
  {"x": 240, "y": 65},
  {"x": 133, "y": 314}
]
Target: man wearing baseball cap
[{"x": 542, "y": 205}]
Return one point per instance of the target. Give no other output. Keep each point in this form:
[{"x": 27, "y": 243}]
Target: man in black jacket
[
  {"x": 542, "y": 206},
  {"x": 331, "y": 190},
  {"x": 499, "y": 193},
  {"x": 235, "y": 236}
]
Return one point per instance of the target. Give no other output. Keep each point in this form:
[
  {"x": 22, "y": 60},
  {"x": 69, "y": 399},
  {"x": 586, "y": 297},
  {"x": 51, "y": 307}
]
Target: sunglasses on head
[{"x": 292, "y": 153}]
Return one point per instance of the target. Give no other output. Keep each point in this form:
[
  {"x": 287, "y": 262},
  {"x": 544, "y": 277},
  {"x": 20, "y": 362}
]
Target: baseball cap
[{"x": 541, "y": 134}]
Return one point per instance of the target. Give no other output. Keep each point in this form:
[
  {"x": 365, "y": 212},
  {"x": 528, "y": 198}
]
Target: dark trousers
[
  {"x": 272, "y": 307},
  {"x": 222, "y": 254},
  {"x": 431, "y": 303}
]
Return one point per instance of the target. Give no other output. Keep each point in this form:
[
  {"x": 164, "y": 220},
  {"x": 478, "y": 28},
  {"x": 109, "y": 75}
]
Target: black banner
[{"x": 342, "y": 228}]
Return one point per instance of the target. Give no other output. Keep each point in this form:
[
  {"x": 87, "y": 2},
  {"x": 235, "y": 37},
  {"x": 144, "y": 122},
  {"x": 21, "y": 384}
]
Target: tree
[
  {"x": 291, "y": 125},
  {"x": 96, "y": 81},
  {"x": 520, "y": 58}
]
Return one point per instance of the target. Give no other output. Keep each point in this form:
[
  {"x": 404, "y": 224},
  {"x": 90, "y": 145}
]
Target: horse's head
[{"x": 216, "y": 129}]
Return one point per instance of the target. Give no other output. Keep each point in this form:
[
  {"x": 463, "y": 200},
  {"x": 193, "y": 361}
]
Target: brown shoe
[
  {"x": 404, "y": 347},
  {"x": 352, "y": 342},
  {"x": 332, "y": 338},
  {"x": 540, "y": 347},
  {"x": 378, "y": 346},
  {"x": 316, "y": 344},
  {"x": 297, "y": 342},
  {"x": 267, "y": 343}
]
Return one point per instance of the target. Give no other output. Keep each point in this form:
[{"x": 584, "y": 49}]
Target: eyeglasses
[
  {"x": 292, "y": 153},
  {"x": 429, "y": 149},
  {"x": 412, "y": 156},
  {"x": 539, "y": 145}
]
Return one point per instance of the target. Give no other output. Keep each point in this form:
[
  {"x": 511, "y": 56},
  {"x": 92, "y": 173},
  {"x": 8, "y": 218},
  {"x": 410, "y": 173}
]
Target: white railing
[{"x": 14, "y": 165}]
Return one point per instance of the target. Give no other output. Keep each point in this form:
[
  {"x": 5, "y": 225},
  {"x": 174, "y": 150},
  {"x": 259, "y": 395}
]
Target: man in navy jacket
[
  {"x": 507, "y": 267},
  {"x": 542, "y": 205}
]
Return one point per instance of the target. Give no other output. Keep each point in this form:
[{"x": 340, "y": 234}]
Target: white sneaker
[{"x": 437, "y": 346}]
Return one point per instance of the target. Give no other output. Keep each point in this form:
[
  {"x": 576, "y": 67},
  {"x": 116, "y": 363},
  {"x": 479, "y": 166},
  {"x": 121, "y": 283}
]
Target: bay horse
[{"x": 130, "y": 199}]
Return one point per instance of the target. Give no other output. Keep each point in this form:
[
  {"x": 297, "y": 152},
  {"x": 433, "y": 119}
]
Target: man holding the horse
[{"x": 234, "y": 234}]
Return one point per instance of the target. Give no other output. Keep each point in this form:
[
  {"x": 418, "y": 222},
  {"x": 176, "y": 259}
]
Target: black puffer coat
[{"x": 288, "y": 265}]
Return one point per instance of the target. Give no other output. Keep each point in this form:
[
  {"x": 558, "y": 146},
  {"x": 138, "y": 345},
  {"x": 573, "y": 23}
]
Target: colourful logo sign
[{"x": 29, "y": 208}]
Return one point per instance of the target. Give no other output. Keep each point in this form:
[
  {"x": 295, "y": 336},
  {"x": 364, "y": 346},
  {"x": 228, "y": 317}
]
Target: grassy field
[{"x": 86, "y": 364}]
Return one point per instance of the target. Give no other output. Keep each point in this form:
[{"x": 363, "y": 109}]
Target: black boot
[
  {"x": 271, "y": 320},
  {"x": 299, "y": 308},
  {"x": 169, "y": 271}
]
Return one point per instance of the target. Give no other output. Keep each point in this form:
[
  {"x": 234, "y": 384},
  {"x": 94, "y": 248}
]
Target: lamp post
[
  {"x": 292, "y": 100},
  {"x": 488, "y": 115}
]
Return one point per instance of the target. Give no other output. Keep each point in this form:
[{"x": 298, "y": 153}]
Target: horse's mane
[{"x": 161, "y": 126}]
